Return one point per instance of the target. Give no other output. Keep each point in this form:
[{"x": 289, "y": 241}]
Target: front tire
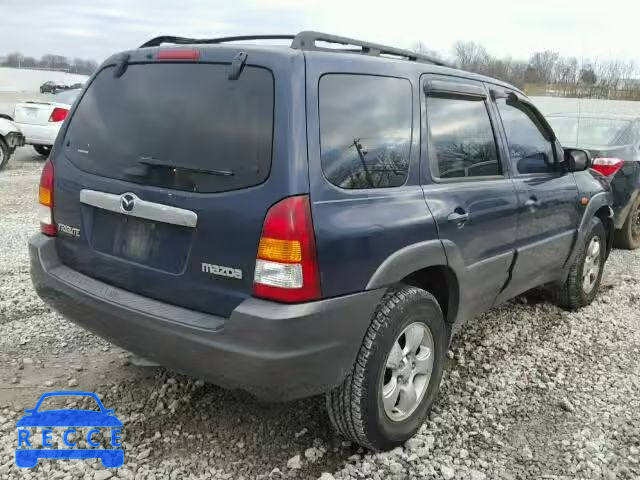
[
  {"x": 628, "y": 237},
  {"x": 585, "y": 275},
  {"x": 396, "y": 377},
  {"x": 43, "y": 150}
]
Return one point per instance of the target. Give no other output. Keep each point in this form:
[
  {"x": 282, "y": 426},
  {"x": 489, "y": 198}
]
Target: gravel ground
[{"x": 530, "y": 391}]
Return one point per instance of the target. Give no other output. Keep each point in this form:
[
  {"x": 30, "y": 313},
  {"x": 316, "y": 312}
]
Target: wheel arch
[
  {"x": 623, "y": 211},
  {"x": 423, "y": 265},
  {"x": 442, "y": 282},
  {"x": 599, "y": 207}
]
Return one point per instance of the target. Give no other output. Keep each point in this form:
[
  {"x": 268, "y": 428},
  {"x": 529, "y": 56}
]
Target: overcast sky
[{"x": 96, "y": 28}]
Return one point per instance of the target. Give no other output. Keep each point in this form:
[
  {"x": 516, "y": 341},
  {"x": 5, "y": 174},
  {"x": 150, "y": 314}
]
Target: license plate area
[{"x": 154, "y": 244}]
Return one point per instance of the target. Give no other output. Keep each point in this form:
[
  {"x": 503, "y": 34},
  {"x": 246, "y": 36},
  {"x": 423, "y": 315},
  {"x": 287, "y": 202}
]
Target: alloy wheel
[
  {"x": 408, "y": 370},
  {"x": 591, "y": 268}
]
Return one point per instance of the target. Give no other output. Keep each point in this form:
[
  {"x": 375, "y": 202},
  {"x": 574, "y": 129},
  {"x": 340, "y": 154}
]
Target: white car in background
[{"x": 40, "y": 120}]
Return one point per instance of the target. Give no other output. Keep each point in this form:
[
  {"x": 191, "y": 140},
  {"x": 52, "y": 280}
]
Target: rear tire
[
  {"x": 372, "y": 407},
  {"x": 5, "y": 154},
  {"x": 585, "y": 275},
  {"x": 628, "y": 237},
  {"x": 43, "y": 150}
]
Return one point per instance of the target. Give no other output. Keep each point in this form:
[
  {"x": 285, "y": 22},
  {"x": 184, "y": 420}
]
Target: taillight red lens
[
  {"x": 287, "y": 265},
  {"x": 607, "y": 166},
  {"x": 58, "y": 114},
  {"x": 177, "y": 54},
  {"x": 45, "y": 198}
]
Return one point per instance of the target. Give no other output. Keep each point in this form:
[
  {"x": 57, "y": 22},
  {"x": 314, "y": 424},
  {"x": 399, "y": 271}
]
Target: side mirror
[{"x": 577, "y": 160}]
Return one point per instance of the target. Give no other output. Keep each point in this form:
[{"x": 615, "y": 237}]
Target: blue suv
[{"x": 305, "y": 219}]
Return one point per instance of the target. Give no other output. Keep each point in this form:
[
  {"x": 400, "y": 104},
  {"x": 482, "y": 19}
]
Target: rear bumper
[
  {"x": 274, "y": 351},
  {"x": 39, "y": 134}
]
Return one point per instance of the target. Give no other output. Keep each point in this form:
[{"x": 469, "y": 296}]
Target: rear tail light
[
  {"x": 287, "y": 265},
  {"x": 45, "y": 198},
  {"x": 58, "y": 114},
  {"x": 607, "y": 166}
]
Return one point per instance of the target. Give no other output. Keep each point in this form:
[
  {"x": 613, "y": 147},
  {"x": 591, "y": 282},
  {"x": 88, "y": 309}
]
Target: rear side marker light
[
  {"x": 607, "y": 166},
  {"x": 178, "y": 55},
  {"x": 58, "y": 114},
  {"x": 286, "y": 264},
  {"x": 45, "y": 199}
]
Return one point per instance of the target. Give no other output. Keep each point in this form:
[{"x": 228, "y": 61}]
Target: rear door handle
[
  {"x": 533, "y": 203},
  {"x": 459, "y": 217}
]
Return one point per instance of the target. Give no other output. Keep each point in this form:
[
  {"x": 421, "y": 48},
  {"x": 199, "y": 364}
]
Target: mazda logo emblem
[{"x": 127, "y": 202}]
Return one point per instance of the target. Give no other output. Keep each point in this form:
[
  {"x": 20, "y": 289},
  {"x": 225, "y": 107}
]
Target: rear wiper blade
[{"x": 154, "y": 162}]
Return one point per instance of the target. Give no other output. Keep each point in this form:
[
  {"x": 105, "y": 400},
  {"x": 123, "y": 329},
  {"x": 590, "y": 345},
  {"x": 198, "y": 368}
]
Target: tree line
[
  {"x": 544, "y": 73},
  {"x": 51, "y": 62},
  {"x": 548, "y": 73}
]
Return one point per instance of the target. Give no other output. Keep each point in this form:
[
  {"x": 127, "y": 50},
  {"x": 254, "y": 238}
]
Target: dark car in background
[
  {"x": 614, "y": 143},
  {"x": 48, "y": 87},
  {"x": 53, "y": 87}
]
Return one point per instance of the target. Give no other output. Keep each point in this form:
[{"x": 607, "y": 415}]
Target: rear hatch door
[{"x": 167, "y": 172}]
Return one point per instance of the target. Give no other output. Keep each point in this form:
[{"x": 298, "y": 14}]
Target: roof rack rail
[
  {"x": 306, "y": 40},
  {"x": 157, "y": 41}
]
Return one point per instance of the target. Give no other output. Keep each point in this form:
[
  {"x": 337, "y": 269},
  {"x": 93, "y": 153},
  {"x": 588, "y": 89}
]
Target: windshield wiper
[{"x": 154, "y": 162}]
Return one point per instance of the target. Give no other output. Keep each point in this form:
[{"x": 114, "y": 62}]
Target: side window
[
  {"x": 365, "y": 130},
  {"x": 530, "y": 151},
  {"x": 461, "y": 139}
]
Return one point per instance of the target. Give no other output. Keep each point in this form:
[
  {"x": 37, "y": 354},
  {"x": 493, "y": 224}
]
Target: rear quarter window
[
  {"x": 365, "y": 130},
  {"x": 183, "y": 126}
]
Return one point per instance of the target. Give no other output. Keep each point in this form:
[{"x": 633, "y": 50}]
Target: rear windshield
[
  {"x": 591, "y": 131},
  {"x": 183, "y": 126}
]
